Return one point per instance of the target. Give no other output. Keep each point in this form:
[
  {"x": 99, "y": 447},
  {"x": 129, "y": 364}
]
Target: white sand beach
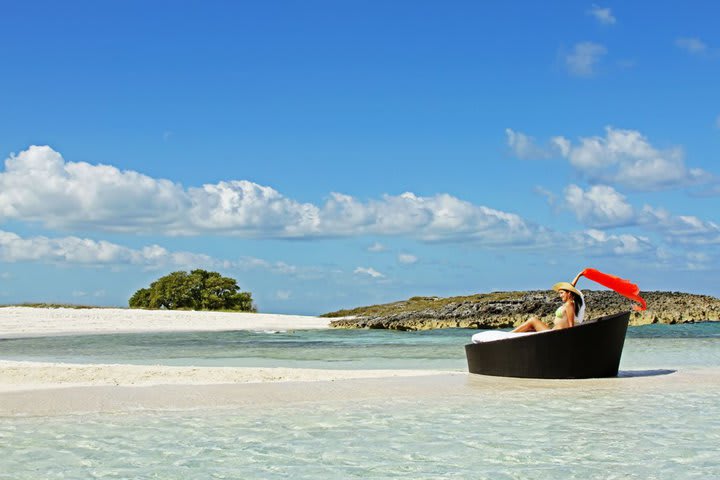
[
  {"x": 19, "y": 375},
  {"x": 28, "y": 321}
]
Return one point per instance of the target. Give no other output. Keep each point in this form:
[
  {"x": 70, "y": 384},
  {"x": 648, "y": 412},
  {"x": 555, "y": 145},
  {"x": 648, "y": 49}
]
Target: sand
[
  {"x": 28, "y": 321},
  {"x": 40, "y": 375},
  {"x": 57, "y": 388}
]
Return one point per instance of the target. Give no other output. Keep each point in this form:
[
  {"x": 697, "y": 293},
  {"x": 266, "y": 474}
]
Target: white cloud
[
  {"x": 368, "y": 271},
  {"x": 685, "y": 229},
  {"x": 602, "y": 15},
  {"x": 599, "y": 206},
  {"x": 626, "y": 157},
  {"x": 251, "y": 263},
  {"x": 692, "y": 45},
  {"x": 377, "y": 247},
  {"x": 248, "y": 209},
  {"x": 584, "y": 57},
  {"x": 39, "y": 186},
  {"x": 86, "y": 252},
  {"x": 600, "y": 243},
  {"x": 524, "y": 146},
  {"x": 5, "y": 276},
  {"x": 407, "y": 259},
  {"x": 83, "y": 251},
  {"x": 562, "y": 145},
  {"x": 717, "y": 122}
]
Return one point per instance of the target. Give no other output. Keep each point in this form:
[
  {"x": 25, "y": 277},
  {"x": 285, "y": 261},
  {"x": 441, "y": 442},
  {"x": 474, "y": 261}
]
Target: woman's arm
[
  {"x": 577, "y": 277},
  {"x": 570, "y": 312}
]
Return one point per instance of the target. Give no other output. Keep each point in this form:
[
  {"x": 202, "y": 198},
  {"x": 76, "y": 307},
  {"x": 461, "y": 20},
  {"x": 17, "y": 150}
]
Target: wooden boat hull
[{"x": 589, "y": 350}]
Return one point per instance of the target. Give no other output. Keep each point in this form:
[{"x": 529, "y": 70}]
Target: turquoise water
[
  {"x": 659, "y": 420},
  {"x": 676, "y": 345}
]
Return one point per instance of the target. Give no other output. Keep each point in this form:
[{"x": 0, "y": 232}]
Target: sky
[{"x": 334, "y": 154}]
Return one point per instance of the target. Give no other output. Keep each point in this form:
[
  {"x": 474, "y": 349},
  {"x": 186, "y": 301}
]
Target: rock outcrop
[{"x": 508, "y": 309}]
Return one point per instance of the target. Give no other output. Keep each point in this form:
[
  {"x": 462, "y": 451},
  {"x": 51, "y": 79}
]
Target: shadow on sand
[{"x": 644, "y": 373}]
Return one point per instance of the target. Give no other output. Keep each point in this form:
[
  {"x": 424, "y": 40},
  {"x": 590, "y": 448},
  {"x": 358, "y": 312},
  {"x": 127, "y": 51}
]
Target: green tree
[
  {"x": 197, "y": 290},
  {"x": 140, "y": 299}
]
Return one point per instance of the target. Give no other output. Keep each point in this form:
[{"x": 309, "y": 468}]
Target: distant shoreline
[{"x": 509, "y": 309}]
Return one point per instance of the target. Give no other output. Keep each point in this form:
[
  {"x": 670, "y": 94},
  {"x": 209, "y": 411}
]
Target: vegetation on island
[
  {"x": 195, "y": 290},
  {"x": 508, "y": 309},
  {"x": 414, "y": 304}
]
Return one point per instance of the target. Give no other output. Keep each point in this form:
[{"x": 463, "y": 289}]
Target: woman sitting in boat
[{"x": 571, "y": 312}]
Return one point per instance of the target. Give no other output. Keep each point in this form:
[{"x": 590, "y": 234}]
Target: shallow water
[
  {"x": 659, "y": 420},
  {"x": 525, "y": 430},
  {"x": 677, "y": 345}
]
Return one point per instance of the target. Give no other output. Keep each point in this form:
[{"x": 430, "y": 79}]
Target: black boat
[{"x": 591, "y": 349}]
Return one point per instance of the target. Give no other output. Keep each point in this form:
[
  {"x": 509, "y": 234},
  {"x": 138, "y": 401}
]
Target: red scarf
[{"x": 620, "y": 285}]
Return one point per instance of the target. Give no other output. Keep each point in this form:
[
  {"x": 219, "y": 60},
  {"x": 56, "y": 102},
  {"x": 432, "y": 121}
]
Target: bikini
[{"x": 578, "y": 318}]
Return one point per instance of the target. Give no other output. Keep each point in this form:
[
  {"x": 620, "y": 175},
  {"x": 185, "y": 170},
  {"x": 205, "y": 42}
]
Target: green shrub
[{"x": 196, "y": 290}]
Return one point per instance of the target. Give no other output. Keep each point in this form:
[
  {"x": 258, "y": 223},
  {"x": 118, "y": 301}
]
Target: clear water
[
  {"x": 679, "y": 345},
  {"x": 659, "y": 420}
]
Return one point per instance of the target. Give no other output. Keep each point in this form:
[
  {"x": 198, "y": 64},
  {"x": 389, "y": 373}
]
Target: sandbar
[
  {"x": 31, "y": 321},
  {"x": 42, "y": 388}
]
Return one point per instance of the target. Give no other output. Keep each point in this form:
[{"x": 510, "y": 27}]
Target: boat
[{"x": 591, "y": 349}]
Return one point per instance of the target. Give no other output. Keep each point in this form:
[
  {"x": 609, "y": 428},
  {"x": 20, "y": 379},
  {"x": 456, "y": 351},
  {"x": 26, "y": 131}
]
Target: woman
[{"x": 572, "y": 310}]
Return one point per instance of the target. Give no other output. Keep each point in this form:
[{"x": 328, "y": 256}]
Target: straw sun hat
[{"x": 566, "y": 286}]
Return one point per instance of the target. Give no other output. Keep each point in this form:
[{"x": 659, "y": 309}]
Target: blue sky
[{"x": 335, "y": 154}]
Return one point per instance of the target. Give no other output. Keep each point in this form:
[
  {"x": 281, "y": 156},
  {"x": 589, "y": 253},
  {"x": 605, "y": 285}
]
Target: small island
[{"x": 508, "y": 309}]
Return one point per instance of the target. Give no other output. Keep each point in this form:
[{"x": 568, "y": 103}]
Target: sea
[{"x": 659, "y": 419}]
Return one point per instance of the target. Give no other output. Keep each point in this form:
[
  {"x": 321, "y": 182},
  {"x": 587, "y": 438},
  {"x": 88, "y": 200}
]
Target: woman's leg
[{"x": 530, "y": 325}]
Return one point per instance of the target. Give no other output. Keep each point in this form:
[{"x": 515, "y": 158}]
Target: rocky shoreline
[{"x": 508, "y": 309}]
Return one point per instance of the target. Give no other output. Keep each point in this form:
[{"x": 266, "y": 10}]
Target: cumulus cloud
[
  {"x": 626, "y": 157},
  {"x": 407, "y": 259},
  {"x": 692, "y": 45},
  {"x": 87, "y": 252},
  {"x": 599, "y": 206},
  {"x": 584, "y": 58},
  {"x": 602, "y": 15},
  {"x": 599, "y": 242},
  {"x": 368, "y": 271},
  {"x": 83, "y": 251},
  {"x": 686, "y": 229},
  {"x": 38, "y": 185}
]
